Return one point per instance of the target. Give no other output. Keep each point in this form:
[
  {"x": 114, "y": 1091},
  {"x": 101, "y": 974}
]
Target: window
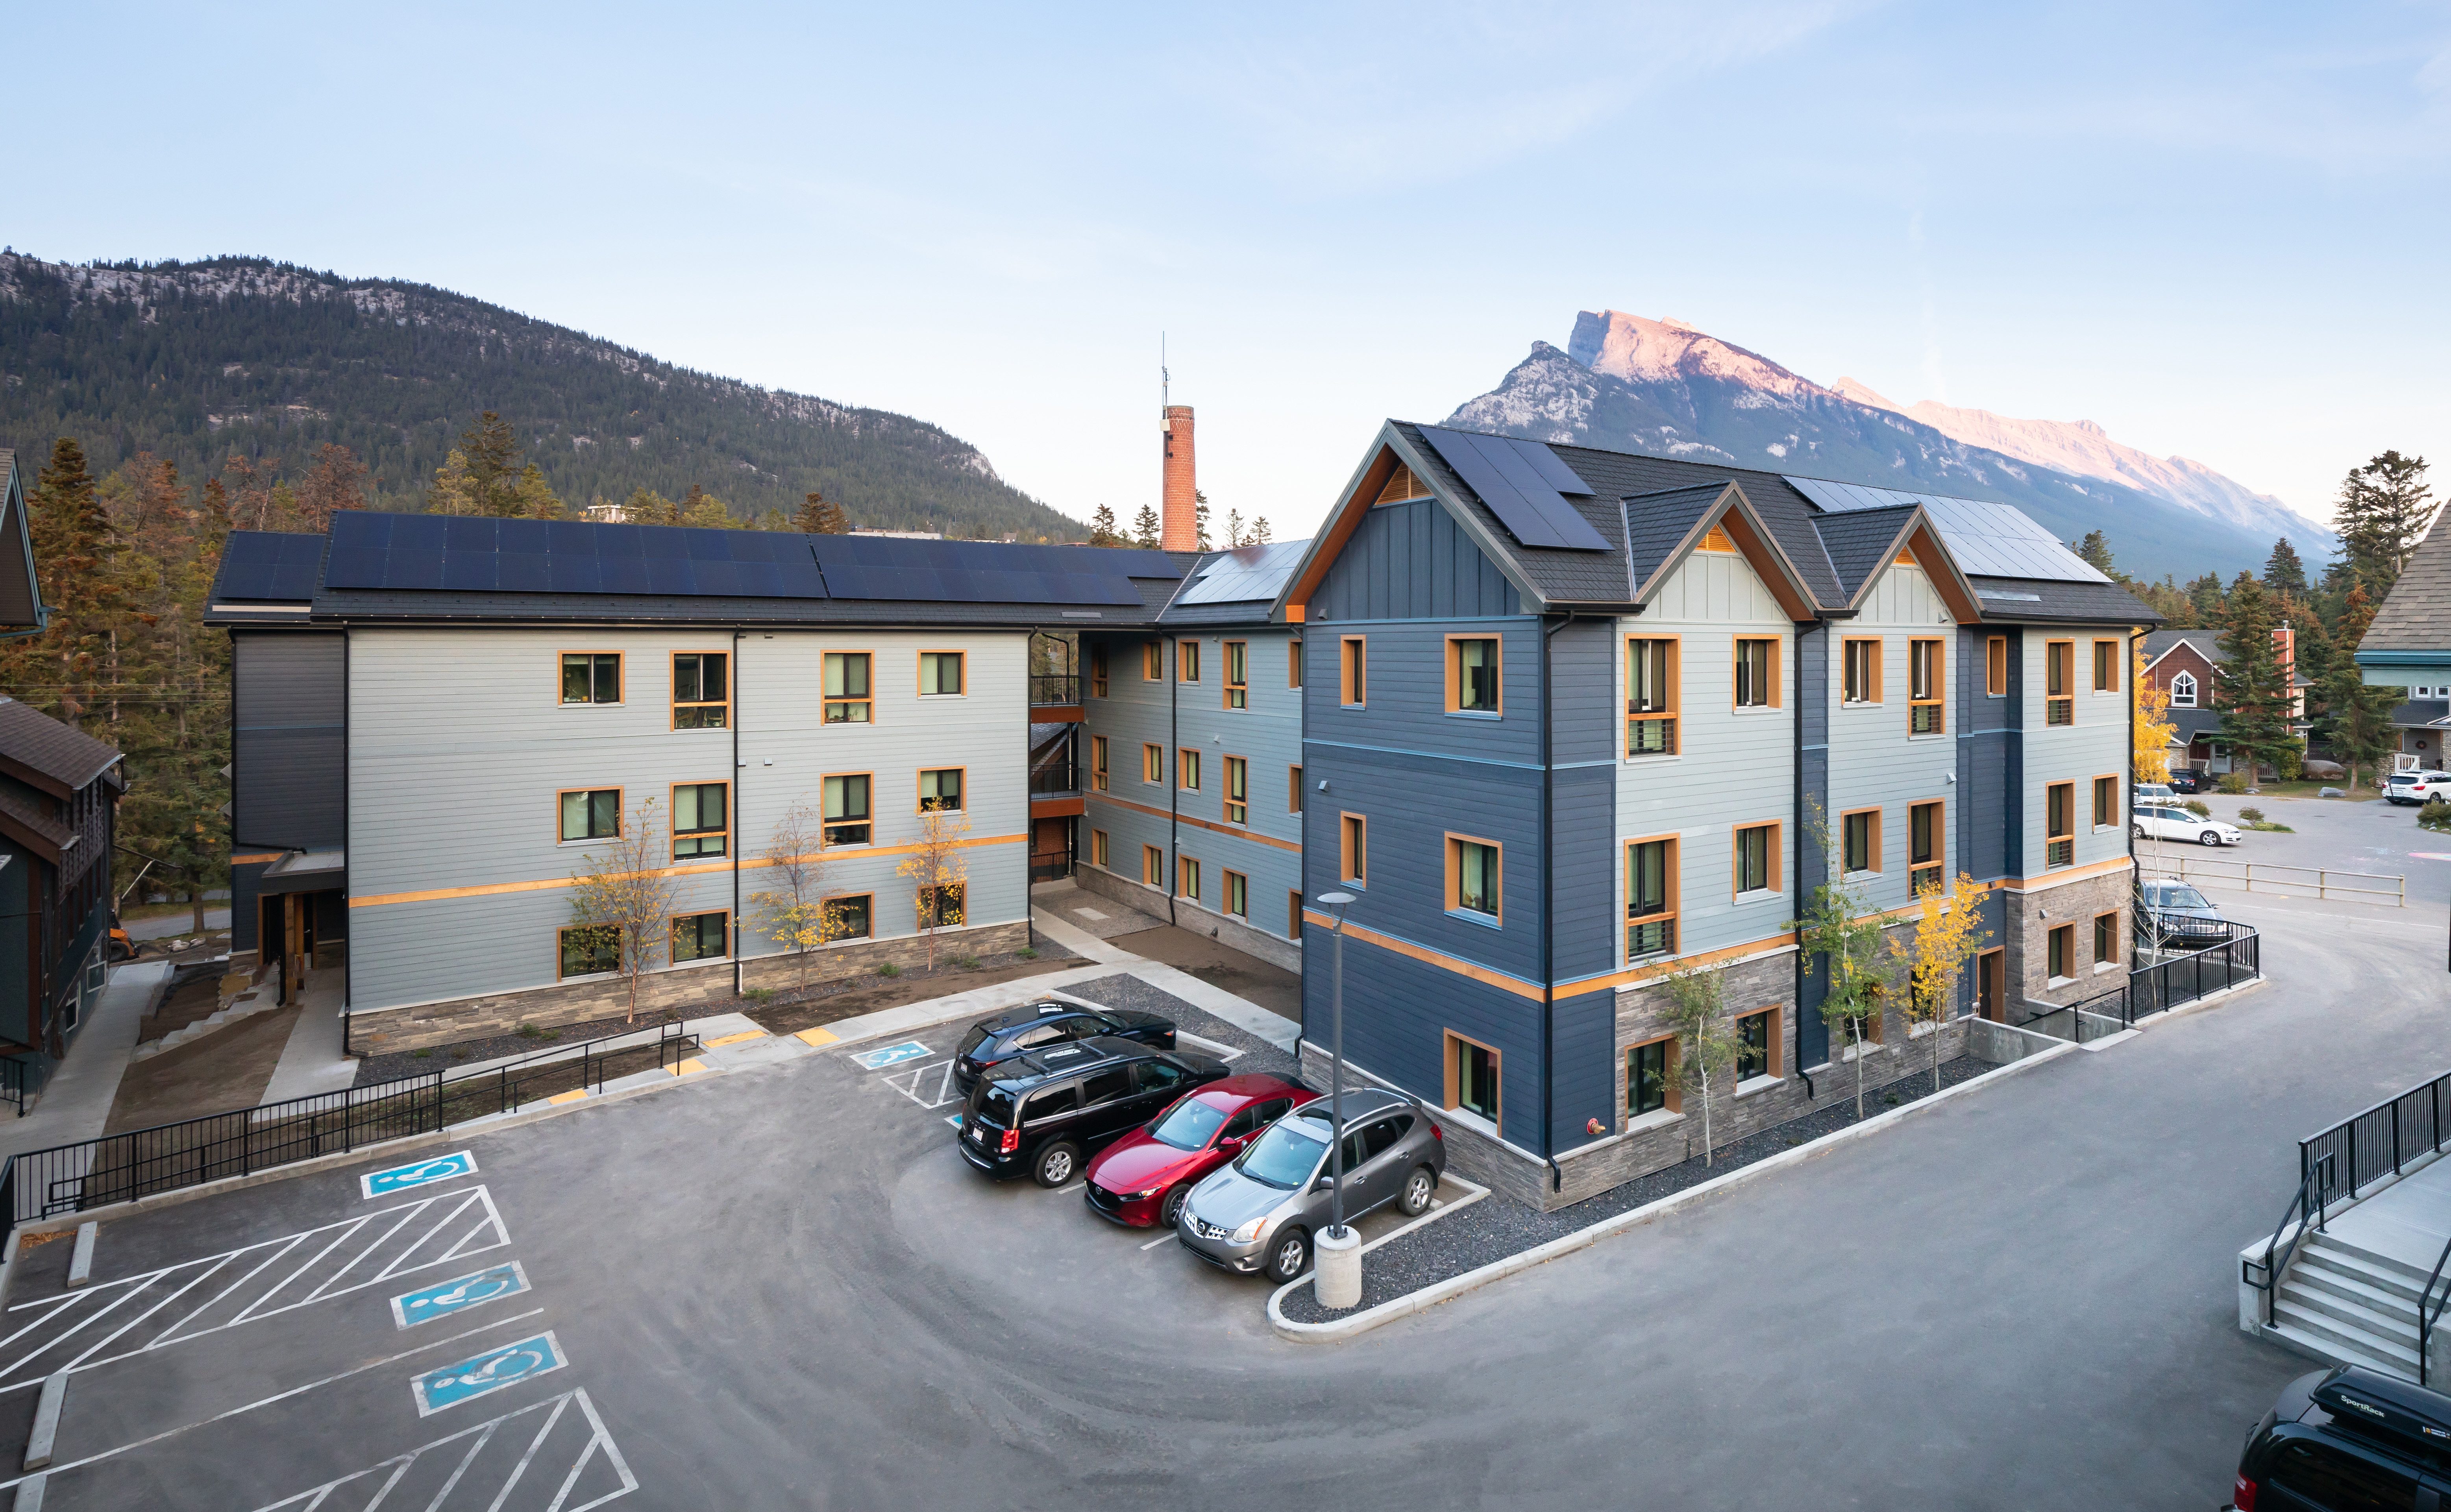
[
  {"x": 1756, "y": 680},
  {"x": 1863, "y": 674},
  {"x": 1293, "y": 665},
  {"x": 1098, "y": 763},
  {"x": 1097, "y": 847},
  {"x": 1996, "y": 666},
  {"x": 1925, "y": 684},
  {"x": 2059, "y": 815},
  {"x": 2106, "y": 938},
  {"x": 699, "y": 822},
  {"x": 1649, "y": 1086},
  {"x": 1472, "y": 675},
  {"x": 1187, "y": 767},
  {"x": 591, "y": 676},
  {"x": 1860, "y": 841},
  {"x": 1153, "y": 763},
  {"x": 940, "y": 674},
  {"x": 1152, "y": 661},
  {"x": 1757, "y": 858},
  {"x": 1152, "y": 866},
  {"x": 1473, "y": 868},
  {"x": 1471, "y": 1077},
  {"x": 1237, "y": 895},
  {"x": 590, "y": 951},
  {"x": 2062, "y": 947},
  {"x": 1293, "y": 790},
  {"x": 1651, "y": 698},
  {"x": 847, "y": 695},
  {"x": 940, "y": 788},
  {"x": 847, "y": 813},
  {"x": 1757, "y": 1045},
  {"x": 1293, "y": 913},
  {"x": 591, "y": 814},
  {"x": 1186, "y": 874},
  {"x": 2182, "y": 691},
  {"x": 700, "y": 938},
  {"x": 1650, "y": 898},
  {"x": 1925, "y": 870},
  {"x": 1353, "y": 851},
  {"x": 940, "y": 907},
  {"x": 2106, "y": 666},
  {"x": 1097, "y": 672},
  {"x": 1187, "y": 661},
  {"x": 1238, "y": 675},
  {"x": 1237, "y": 790},
  {"x": 698, "y": 701},
  {"x": 2106, "y": 802},
  {"x": 2059, "y": 676},
  {"x": 1356, "y": 671}
]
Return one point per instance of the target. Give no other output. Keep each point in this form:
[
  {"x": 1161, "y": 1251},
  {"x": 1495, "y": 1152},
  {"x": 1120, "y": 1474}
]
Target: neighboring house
[
  {"x": 2409, "y": 646},
  {"x": 59, "y": 799},
  {"x": 22, "y": 612},
  {"x": 1566, "y": 715},
  {"x": 2188, "y": 665},
  {"x": 438, "y": 720}
]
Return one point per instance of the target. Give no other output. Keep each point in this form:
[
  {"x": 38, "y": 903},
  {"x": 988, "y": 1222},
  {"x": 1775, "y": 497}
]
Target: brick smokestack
[{"x": 1178, "y": 518}]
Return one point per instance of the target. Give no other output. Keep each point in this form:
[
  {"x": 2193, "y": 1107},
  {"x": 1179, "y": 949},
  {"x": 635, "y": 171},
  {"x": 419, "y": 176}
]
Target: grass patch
[{"x": 889, "y": 969}]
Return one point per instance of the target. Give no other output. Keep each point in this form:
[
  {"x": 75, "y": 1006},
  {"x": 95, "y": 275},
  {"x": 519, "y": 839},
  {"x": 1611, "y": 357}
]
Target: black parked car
[
  {"x": 2347, "y": 1441},
  {"x": 2187, "y": 780},
  {"x": 1042, "y": 1112},
  {"x": 1050, "y": 1021}
]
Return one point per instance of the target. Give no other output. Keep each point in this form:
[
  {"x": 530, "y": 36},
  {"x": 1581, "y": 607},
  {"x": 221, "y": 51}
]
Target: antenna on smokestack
[{"x": 1164, "y": 379}]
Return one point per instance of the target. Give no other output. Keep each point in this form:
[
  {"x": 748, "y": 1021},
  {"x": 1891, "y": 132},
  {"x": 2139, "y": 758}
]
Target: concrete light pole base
[{"x": 1338, "y": 1284}]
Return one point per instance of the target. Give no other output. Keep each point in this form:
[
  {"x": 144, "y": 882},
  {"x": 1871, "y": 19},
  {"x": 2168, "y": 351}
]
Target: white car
[
  {"x": 2155, "y": 792},
  {"x": 2152, "y": 823},
  {"x": 2416, "y": 787}
]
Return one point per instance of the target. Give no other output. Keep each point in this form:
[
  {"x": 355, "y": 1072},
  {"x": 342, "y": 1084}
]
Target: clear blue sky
[{"x": 2218, "y": 230}]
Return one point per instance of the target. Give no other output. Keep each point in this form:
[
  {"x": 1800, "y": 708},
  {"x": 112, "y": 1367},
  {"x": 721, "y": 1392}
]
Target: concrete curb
[
  {"x": 1472, "y": 1194},
  {"x": 1430, "y": 1296},
  {"x": 2203, "y": 1004}
]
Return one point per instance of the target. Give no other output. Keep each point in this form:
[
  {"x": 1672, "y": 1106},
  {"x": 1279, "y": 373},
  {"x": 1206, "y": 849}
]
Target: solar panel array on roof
[
  {"x": 1525, "y": 485},
  {"x": 256, "y": 564},
  {"x": 1987, "y": 540},
  {"x": 459, "y": 554},
  {"x": 984, "y": 572},
  {"x": 1245, "y": 574}
]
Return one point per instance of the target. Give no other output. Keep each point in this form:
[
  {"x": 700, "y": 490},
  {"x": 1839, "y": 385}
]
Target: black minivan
[
  {"x": 2348, "y": 1441},
  {"x": 1044, "y": 1110}
]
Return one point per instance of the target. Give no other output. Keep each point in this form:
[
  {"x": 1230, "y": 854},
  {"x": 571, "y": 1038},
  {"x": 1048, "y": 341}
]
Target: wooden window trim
[
  {"x": 2101, "y": 661},
  {"x": 1775, "y": 1043},
  {"x": 1875, "y": 839},
  {"x": 1098, "y": 850},
  {"x": 1736, "y": 657},
  {"x": 1187, "y": 763},
  {"x": 675, "y": 919},
  {"x": 1453, "y": 848},
  {"x": 1098, "y": 770},
  {"x": 1454, "y": 678},
  {"x": 2100, "y": 935},
  {"x": 1938, "y": 701},
  {"x": 1152, "y": 661},
  {"x": 918, "y": 804},
  {"x": 676, "y": 706},
  {"x": 1873, "y": 670},
  {"x": 1293, "y": 789},
  {"x": 870, "y": 897},
  {"x": 620, "y": 813},
  {"x": 1674, "y": 693},
  {"x": 1293, "y": 663},
  {"x": 2052, "y": 837},
  {"x": 1939, "y": 862},
  {"x": 1225, "y": 674},
  {"x": 1097, "y": 672},
  {"x": 2056, "y": 936},
  {"x": 2059, "y": 706},
  {"x": 1226, "y": 788},
  {"x": 824, "y": 844},
  {"x": 1293, "y": 913},
  {"x": 1672, "y": 915},
  {"x": 559, "y": 955},
  {"x": 1670, "y": 1065},
  {"x": 920, "y": 671},
  {"x": 1159, "y": 781},
  {"x": 1736, "y": 877},
  {"x": 1996, "y": 666},
  {"x": 1348, "y": 826},
  {"x": 2093, "y": 793},
  {"x": 1186, "y": 878},
  {"x": 1227, "y": 876},
  {"x": 1353, "y": 672},
  {"x": 1152, "y": 859},
  {"x": 870, "y": 702},
  {"x": 1497, "y": 1114},
  {"x": 621, "y": 671},
  {"x": 1192, "y": 644},
  {"x": 961, "y": 891},
  {"x": 673, "y": 828}
]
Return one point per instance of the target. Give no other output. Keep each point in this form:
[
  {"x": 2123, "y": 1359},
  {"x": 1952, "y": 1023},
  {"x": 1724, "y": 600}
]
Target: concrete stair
[
  {"x": 260, "y": 1002},
  {"x": 2350, "y": 1304}
]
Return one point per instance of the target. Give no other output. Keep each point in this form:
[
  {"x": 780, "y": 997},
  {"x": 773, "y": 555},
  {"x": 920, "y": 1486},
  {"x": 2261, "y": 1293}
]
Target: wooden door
[{"x": 1990, "y": 984}]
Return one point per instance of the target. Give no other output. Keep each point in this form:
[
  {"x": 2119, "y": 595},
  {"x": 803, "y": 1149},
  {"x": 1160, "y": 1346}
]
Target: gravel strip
[{"x": 1496, "y": 1228}]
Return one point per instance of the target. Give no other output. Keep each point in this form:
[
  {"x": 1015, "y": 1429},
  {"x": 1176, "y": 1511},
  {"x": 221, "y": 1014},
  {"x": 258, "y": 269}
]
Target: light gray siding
[
  {"x": 2095, "y": 745},
  {"x": 1876, "y": 761}
]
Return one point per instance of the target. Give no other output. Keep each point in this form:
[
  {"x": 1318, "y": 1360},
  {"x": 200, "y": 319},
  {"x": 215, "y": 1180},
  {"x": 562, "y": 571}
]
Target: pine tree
[
  {"x": 2205, "y": 598},
  {"x": 1102, "y": 528},
  {"x": 2095, "y": 549},
  {"x": 1260, "y": 531},
  {"x": 492, "y": 457},
  {"x": 1144, "y": 528},
  {"x": 336, "y": 483},
  {"x": 647, "y": 507},
  {"x": 820, "y": 515},
  {"x": 2253, "y": 689},
  {"x": 453, "y": 491},
  {"x": 1233, "y": 529},
  {"x": 1200, "y": 519},
  {"x": 2283, "y": 571},
  {"x": 703, "y": 510},
  {"x": 78, "y": 559},
  {"x": 535, "y": 497},
  {"x": 2384, "y": 510},
  {"x": 2357, "y": 613}
]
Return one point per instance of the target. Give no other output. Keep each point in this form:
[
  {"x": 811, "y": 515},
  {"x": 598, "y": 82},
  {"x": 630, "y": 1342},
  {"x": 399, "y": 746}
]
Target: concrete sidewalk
[{"x": 76, "y": 1103}]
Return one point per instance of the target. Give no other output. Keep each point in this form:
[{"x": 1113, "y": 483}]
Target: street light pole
[{"x": 1336, "y": 1072}]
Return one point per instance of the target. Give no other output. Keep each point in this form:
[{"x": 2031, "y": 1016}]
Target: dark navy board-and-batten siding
[
  {"x": 1813, "y": 651},
  {"x": 289, "y": 702},
  {"x": 1989, "y": 814}
]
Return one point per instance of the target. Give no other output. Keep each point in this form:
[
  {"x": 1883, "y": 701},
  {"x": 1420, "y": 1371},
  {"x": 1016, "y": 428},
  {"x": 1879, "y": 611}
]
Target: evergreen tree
[
  {"x": 1102, "y": 528},
  {"x": 2357, "y": 613},
  {"x": 2253, "y": 689},
  {"x": 1200, "y": 519},
  {"x": 337, "y": 483},
  {"x": 533, "y": 496},
  {"x": 703, "y": 510},
  {"x": 492, "y": 456},
  {"x": 821, "y": 517},
  {"x": 1260, "y": 531},
  {"x": 2095, "y": 549},
  {"x": 2384, "y": 510},
  {"x": 78, "y": 559},
  {"x": 1233, "y": 528},
  {"x": 2205, "y": 600},
  {"x": 2283, "y": 571},
  {"x": 648, "y": 507},
  {"x": 2361, "y": 731},
  {"x": 1144, "y": 528},
  {"x": 453, "y": 492}
]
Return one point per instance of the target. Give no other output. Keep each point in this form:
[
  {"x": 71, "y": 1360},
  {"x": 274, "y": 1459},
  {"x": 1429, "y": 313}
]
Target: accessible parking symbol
[
  {"x": 877, "y": 1060},
  {"x": 445, "y": 1297},
  {"x": 398, "y": 1178},
  {"x": 487, "y": 1373}
]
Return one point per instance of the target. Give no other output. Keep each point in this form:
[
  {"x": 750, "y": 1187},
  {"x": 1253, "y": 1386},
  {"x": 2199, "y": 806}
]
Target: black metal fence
[
  {"x": 2373, "y": 1143},
  {"x": 548, "y": 1073},
  {"x": 1055, "y": 688},
  {"x": 2185, "y": 978}
]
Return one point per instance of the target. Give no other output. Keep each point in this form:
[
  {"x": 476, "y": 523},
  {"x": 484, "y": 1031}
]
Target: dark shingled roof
[
  {"x": 1563, "y": 577},
  {"x": 2208, "y": 644},
  {"x": 2421, "y": 712},
  {"x": 2093, "y": 603},
  {"x": 1658, "y": 523},
  {"x": 1858, "y": 543},
  {"x": 2193, "y": 722},
  {"x": 37, "y": 743},
  {"x": 2415, "y": 615}
]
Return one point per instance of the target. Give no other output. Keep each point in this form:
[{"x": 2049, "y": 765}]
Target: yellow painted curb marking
[
  {"x": 686, "y": 1067},
  {"x": 565, "y": 1097},
  {"x": 734, "y": 1039},
  {"x": 814, "y": 1036}
]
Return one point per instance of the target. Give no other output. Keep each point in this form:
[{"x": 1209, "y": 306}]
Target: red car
[{"x": 1142, "y": 1178}]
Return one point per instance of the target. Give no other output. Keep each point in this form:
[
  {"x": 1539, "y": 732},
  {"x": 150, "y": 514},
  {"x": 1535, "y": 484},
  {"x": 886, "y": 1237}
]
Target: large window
[
  {"x": 2182, "y": 691},
  {"x": 591, "y": 676},
  {"x": 1859, "y": 841},
  {"x": 1473, "y": 868},
  {"x": 940, "y": 788},
  {"x": 1353, "y": 849},
  {"x": 1354, "y": 688},
  {"x": 701, "y": 936},
  {"x": 2059, "y": 816},
  {"x": 1650, "y": 898},
  {"x": 1237, "y": 895},
  {"x": 1187, "y": 661},
  {"x": 699, "y": 699},
  {"x": 2059, "y": 683},
  {"x": 1471, "y": 1077},
  {"x": 1924, "y": 685},
  {"x": 940, "y": 908},
  {"x": 848, "y": 699},
  {"x": 1237, "y": 790},
  {"x": 1863, "y": 672},
  {"x": 591, "y": 814},
  {"x": 1757, "y": 1045},
  {"x": 851, "y": 916},
  {"x": 940, "y": 674},
  {"x": 1238, "y": 675},
  {"x": 1925, "y": 870},
  {"x": 590, "y": 951},
  {"x": 2106, "y": 802},
  {"x": 1650, "y": 1087},
  {"x": 1756, "y": 858},
  {"x": 2062, "y": 951},
  {"x": 1186, "y": 767},
  {"x": 1472, "y": 675},
  {"x": 2105, "y": 939},
  {"x": 847, "y": 819},
  {"x": 2106, "y": 666},
  {"x": 701, "y": 819},
  {"x": 1097, "y": 672},
  {"x": 1098, "y": 763},
  {"x": 1757, "y": 681},
  {"x": 1996, "y": 666},
  {"x": 1650, "y": 697}
]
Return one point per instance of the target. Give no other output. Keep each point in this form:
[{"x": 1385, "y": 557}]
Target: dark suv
[
  {"x": 2347, "y": 1441},
  {"x": 1043, "y": 1110},
  {"x": 1050, "y": 1021}
]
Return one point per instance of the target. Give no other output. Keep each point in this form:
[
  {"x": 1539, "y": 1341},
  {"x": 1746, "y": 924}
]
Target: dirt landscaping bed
[{"x": 849, "y": 997}]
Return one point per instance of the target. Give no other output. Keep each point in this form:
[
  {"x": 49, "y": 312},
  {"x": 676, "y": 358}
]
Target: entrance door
[{"x": 1990, "y": 985}]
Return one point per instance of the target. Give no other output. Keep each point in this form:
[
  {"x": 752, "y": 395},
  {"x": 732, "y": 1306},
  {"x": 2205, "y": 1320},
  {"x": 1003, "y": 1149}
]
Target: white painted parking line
[
  {"x": 1154, "y": 1243},
  {"x": 1223, "y": 1052},
  {"x": 929, "y": 1086},
  {"x": 72, "y": 1331},
  {"x": 485, "y": 1465}
]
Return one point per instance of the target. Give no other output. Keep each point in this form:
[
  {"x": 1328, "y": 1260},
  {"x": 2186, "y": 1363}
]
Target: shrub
[
  {"x": 529, "y": 1031},
  {"x": 759, "y": 995},
  {"x": 2251, "y": 815},
  {"x": 2290, "y": 764},
  {"x": 889, "y": 969},
  {"x": 2199, "y": 808},
  {"x": 2435, "y": 815},
  {"x": 423, "y": 1053},
  {"x": 1028, "y": 952},
  {"x": 968, "y": 962},
  {"x": 2231, "y": 783}
]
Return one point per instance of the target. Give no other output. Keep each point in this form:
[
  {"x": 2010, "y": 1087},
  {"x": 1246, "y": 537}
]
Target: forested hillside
[{"x": 195, "y": 362}]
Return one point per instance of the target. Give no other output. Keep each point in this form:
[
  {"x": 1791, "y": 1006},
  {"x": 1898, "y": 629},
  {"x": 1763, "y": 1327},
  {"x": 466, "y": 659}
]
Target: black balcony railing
[{"x": 1054, "y": 688}]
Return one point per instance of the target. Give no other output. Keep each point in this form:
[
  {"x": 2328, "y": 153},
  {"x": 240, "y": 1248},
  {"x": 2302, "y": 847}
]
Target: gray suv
[{"x": 1259, "y": 1212}]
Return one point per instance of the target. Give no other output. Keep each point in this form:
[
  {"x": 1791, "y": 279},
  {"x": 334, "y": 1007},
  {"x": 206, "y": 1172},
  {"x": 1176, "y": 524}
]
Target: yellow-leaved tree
[
  {"x": 2153, "y": 727},
  {"x": 796, "y": 913},
  {"x": 621, "y": 906},
  {"x": 1946, "y": 938},
  {"x": 936, "y": 865}
]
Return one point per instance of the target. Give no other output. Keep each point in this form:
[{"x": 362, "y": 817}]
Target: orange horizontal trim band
[
  {"x": 2026, "y": 884},
  {"x": 1054, "y": 808},
  {"x": 1444, "y": 963},
  {"x": 252, "y": 857},
  {"x": 493, "y": 889},
  {"x": 1204, "y": 824},
  {"x": 1676, "y": 963}
]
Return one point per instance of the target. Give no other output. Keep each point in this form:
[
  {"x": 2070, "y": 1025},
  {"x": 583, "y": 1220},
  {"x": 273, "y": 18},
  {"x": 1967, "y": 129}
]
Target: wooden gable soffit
[
  {"x": 1730, "y": 520},
  {"x": 1372, "y": 484}
]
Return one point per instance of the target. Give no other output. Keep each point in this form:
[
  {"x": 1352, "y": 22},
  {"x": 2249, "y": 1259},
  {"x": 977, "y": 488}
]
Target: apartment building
[
  {"x": 2409, "y": 646},
  {"x": 1570, "y": 720},
  {"x": 438, "y": 721}
]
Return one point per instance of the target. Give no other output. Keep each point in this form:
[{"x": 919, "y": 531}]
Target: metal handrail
[
  {"x": 2429, "y": 1310},
  {"x": 2342, "y": 1138},
  {"x": 509, "y": 1077},
  {"x": 2150, "y": 988},
  {"x": 2299, "y": 1206}
]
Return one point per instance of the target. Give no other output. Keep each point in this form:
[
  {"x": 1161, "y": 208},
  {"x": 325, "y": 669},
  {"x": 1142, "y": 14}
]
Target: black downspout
[
  {"x": 1796, "y": 832},
  {"x": 737, "y": 965},
  {"x": 1174, "y": 789},
  {"x": 1548, "y": 926}
]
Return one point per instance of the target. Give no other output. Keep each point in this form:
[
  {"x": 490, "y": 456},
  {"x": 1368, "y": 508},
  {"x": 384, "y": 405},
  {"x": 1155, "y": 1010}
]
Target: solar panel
[
  {"x": 1245, "y": 574},
  {"x": 983, "y": 571},
  {"x": 1987, "y": 540},
  {"x": 1551, "y": 467},
  {"x": 1524, "y": 501},
  {"x": 258, "y": 565},
  {"x": 464, "y": 554}
]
